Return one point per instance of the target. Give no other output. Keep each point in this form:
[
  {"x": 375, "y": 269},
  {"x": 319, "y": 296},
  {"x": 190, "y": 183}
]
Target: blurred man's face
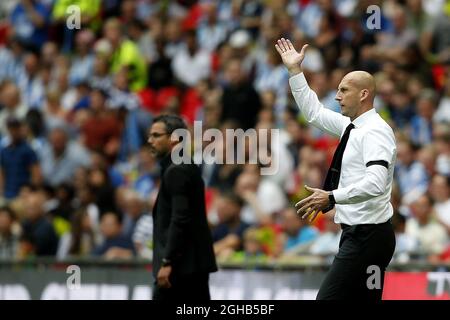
[
  {"x": 5, "y": 222},
  {"x": 291, "y": 223},
  {"x": 97, "y": 101},
  {"x": 58, "y": 140},
  {"x": 404, "y": 153},
  {"x": 422, "y": 209},
  {"x": 425, "y": 108},
  {"x": 110, "y": 226},
  {"x": 10, "y": 96},
  {"x": 34, "y": 205},
  {"x": 112, "y": 33},
  {"x": 15, "y": 132},
  {"x": 227, "y": 210},
  {"x": 159, "y": 140},
  {"x": 133, "y": 207},
  {"x": 439, "y": 188},
  {"x": 233, "y": 73},
  {"x": 31, "y": 63}
]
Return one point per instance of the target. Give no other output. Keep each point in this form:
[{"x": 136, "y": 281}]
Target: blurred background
[{"x": 77, "y": 181}]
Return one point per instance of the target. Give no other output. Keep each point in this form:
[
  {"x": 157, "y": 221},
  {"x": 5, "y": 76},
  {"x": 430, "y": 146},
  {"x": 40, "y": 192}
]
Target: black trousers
[
  {"x": 358, "y": 269},
  {"x": 192, "y": 287}
]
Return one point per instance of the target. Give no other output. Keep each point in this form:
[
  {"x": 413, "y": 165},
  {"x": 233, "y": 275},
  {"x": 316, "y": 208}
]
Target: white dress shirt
[{"x": 364, "y": 192}]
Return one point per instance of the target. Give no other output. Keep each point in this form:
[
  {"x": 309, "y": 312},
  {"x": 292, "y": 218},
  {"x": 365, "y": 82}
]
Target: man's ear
[{"x": 364, "y": 93}]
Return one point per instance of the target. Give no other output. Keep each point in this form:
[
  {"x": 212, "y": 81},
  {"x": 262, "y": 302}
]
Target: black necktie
[{"x": 334, "y": 172}]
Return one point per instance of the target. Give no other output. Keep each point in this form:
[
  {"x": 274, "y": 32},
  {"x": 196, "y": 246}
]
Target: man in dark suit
[{"x": 183, "y": 253}]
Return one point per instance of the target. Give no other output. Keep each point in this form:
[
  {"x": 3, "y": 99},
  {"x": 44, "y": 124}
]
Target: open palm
[{"x": 291, "y": 58}]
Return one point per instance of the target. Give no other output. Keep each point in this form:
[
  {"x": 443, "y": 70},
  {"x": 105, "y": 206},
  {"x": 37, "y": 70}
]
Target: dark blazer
[{"x": 181, "y": 233}]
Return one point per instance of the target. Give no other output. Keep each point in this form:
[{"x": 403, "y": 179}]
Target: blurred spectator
[
  {"x": 38, "y": 233},
  {"x": 89, "y": 14},
  {"x": 30, "y": 82},
  {"x": 434, "y": 42},
  {"x": 191, "y": 64},
  {"x": 80, "y": 241},
  {"x": 10, "y": 233},
  {"x": 61, "y": 157},
  {"x": 62, "y": 202},
  {"x": 101, "y": 130},
  {"x": 144, "y": 34},
  {"x": 394, "y": 44},
  {"x": 83, "y": 60},
  {"x": 119, "y": 94},
  {"x": 132, "y": 209},
  {"x": 10, "y": 59},
  {"x": 249, "y": 12},
  {"x": 411, "y": 174},
  {"x": 29, "y": 19},
  {"x": 440, "y": 193},
  {"x": 160, "y": 69},
  {"x": 299, "y": 235},
  {"x": 100, "y": 74},
  {"x": 263, "y": 198},
  {"x": 327, "y": 243},
  {"x": 53, "y": 113},
  {"x": 19, "y": 163},
  {"x": 442, "y": 142},
  {"x": 49, "y": 54},
  {"x": 442, "y": 113},
  {"x": 240, "y": 101},
  {"x": 211, "y": 32},
  {"x": 12, "y": 105},
  {"x": 143, "y": 237},
  {"x": 125, "y": 55},
  {"x": 115, "y": 245},
  {"x": 421, "y": 124},
  {"x": 146, "y": 173},
  {"x": 432, "y": 236},
  {"x": 99, "y": 184},
  {"x": 406, "y": 243},
  {"x": 253, "y": 249},
  {"x": 272, "y": 75},
  {"x": 227, "y": 234}
]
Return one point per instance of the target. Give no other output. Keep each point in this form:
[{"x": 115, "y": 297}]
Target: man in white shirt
[{"x": 358, "y": 184}]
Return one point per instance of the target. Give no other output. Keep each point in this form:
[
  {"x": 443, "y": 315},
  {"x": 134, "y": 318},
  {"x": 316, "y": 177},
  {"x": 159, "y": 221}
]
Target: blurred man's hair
[{"x": 172, "y": 122}]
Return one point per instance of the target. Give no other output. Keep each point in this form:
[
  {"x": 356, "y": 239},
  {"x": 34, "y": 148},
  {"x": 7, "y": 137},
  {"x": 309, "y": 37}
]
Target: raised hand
[{"x": 291, "y": 58}]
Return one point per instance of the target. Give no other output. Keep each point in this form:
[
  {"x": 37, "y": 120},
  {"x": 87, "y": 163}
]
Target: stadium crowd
[{"x": 77, "y": 178}]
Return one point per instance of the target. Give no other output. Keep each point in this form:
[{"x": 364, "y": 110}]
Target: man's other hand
[{"x": 163, "y": 277}]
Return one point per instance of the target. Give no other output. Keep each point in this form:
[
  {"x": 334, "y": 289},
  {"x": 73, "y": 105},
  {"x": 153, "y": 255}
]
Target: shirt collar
[{"x": 362, "y": 119}]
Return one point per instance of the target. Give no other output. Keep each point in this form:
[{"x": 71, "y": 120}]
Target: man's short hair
[
  {"x": 233, "y": 197},
  {"x": 172, "y": 122}
]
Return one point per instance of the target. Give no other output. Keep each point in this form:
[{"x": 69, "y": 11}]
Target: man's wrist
[{"x": 293, "y": 71}]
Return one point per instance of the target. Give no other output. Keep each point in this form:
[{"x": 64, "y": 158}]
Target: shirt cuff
[
  {"x": 298, "y": 81},
  {"x": 340, "y": 195}
]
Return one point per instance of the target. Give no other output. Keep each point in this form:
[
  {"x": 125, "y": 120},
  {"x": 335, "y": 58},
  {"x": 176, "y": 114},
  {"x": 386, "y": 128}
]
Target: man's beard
[{"x": 159, "y": 154}]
